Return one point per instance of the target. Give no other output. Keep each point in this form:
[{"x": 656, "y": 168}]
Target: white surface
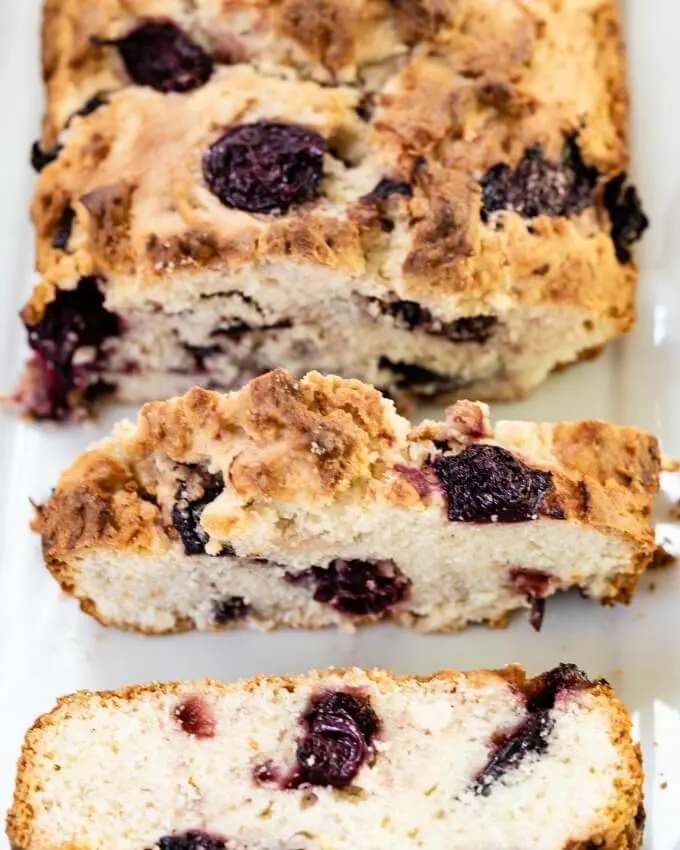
[{"x": 48, "y": 648}]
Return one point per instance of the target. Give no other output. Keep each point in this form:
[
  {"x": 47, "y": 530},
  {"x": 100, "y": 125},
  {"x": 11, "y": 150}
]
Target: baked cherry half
[
  {"x": 339, "y": 729},
  {"x": 355, "y": 587},
  {"x": 489, "y": 484},
  {"x": 532, "y": 736},
  {"x": 265, "y": 167},
  {"x": 541, "y": 186},
  {"x": 161, "y": 55},
  {"x": 75, "y": 319}
]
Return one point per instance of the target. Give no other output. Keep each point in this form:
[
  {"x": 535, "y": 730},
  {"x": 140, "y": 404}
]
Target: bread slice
[
  {"x": 312, "y": 503},
  {"x": 335, "y": 760},
  {"x": 430, "y": 199}
]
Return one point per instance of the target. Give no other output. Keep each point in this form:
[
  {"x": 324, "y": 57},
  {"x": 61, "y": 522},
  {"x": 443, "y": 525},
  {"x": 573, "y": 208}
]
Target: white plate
[{"x": 48, "y": 648}]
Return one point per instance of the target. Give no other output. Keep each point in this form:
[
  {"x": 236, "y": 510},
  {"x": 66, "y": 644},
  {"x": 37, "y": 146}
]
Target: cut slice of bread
[
  {"x": 335, "y": 760},
  {"x": 312, "y": 503}
]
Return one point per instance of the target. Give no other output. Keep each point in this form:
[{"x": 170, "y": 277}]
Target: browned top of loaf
[
  {"x": 319, "y": 442},
  {"x": 456, "y": 86},
  {"x": 621, "y": 823}
]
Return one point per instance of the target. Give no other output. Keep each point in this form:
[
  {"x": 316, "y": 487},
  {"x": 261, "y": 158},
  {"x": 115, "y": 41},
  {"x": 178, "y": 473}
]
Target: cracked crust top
[
  {"x": 287, "y": 447},
  {"x": 505, "y": 50},
  {"x": 428, "y": 92},
  {"x": 620, "y": 825}
]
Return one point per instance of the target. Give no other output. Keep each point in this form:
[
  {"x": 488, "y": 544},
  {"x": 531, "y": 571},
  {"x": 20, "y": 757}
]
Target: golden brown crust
[
  {"x": 318, "y": 441},
  {"x": 623, "y": 820},
  {"x": 104, "y": 504},
  {"x": 462, "y": 84},
  {"x": 315, "y": 436}
]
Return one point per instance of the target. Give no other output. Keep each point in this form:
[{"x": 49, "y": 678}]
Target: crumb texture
[{"x": 116, "y": 770}]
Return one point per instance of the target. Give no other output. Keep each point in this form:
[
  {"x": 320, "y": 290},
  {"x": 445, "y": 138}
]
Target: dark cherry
[
  {"x": 409, "y": 313},
  {"x": 535, "y": 585},
  {"x": 628, "y": 219},
  {"x": 201, "y": 353},
  {"x": 265, "y": 167},
  {"x": 195, "y": 717},
  {"x": 62, "y": 232},
  {"x": 387, "y": 187},
  {"x": 195, "y": 839},
  {"x": 41, "y": 159},
  {"x": 200, "y": 488},
  {"x": 532, "y": 735},
  {"x": 536, "y": 613},
  {"x": 539, "y": 186},
  {"x": 357, "y": 587},
  {"x": 488, "y": 484},
  {"x": 467, "y": 329},
  {"x": 339, "y": 729},
  {"x": 161, "y": 55},
  {"x": 530, "y": 738},
  {"x": 76, "y": 318},
  {"x": 229, "y": 609},
  {"x": 564, "y": 677},
  {"x": 410, "y": 375},
  {"x": 471, "y": 329}
]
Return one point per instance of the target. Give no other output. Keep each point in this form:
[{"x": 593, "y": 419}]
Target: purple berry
[
  {"x": 195, "y": 717},
  {"x": 628, "y": 219},
  {"x": 265, "y": 167},
  {"x": 200, "y": 488},
  {"x": 533, "y": 734},
  {"x": 539, "y": 186},
  {"x": 530, "y": 738},
  {"x": 75, "y": 318},
  {"x": 62, "y": 232},
  {"x": 357, "y": 706},
  {"x": 161, "y": 55},
  {"x": 564, "y": 677},
  {"x": 488, "y": 484},
  {"x": 339, "y": 729},
  {"x": 195, "y": 839},
  {"x": 42, "y": 158},
  {"x": 408, "y": 313},
  {"x": 201, "y": 353},
  {"x": 412, "y": 315},
  {"x": 535, "y": 585},
  {"x": 408, "y": 375},
  {"x": 358, "y": 588},
  {"x": 229, "y": 609},
  {"x": 385, "y": 188},
  {"x": 470, "y": 329}
]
